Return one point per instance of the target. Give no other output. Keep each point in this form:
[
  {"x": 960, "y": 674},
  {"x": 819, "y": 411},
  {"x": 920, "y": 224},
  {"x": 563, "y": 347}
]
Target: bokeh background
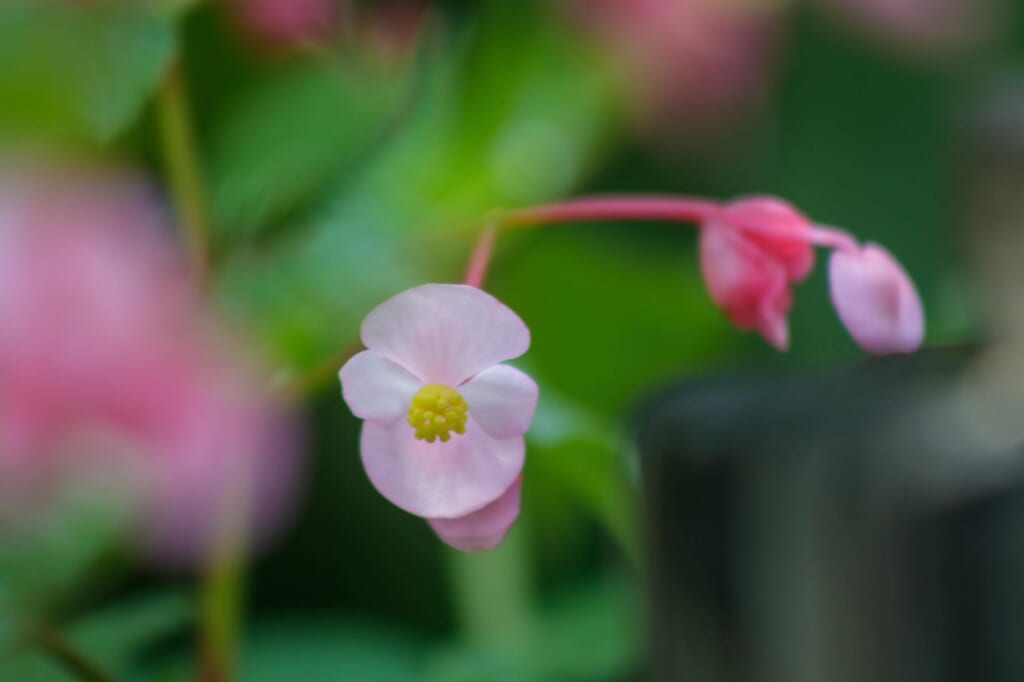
[{"x": 347, "y": 149}]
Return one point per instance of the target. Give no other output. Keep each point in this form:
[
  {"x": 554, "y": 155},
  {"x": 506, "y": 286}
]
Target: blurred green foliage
[
  {"x": 279, "y": 142},
  {"x": 336, "y": 180},
  {"x": 79, "y": 72},
  {"x": 114, "y": 638}
]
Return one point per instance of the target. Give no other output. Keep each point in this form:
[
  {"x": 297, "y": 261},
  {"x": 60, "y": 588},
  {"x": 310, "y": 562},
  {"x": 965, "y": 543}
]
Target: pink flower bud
[
  {"x": 750, "y": 253},
  {"x": 876, "y": 300}
]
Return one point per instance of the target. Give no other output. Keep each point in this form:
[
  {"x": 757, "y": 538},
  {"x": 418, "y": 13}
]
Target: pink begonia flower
[
  {"x": 108, "y": 366},
  {"x": 750, "y": 253},
  {"x": 876, "y": 300},
  {"x": 286, "y": 22},
  {"x": 388, "y": 30},
  {"x": 444, "y": 421},
  {"x": 689, "y": 63},
  {"x": 924, "y": 25},
  {"x": 485, "y": 528},
  {"x": 753, "y": 250}
]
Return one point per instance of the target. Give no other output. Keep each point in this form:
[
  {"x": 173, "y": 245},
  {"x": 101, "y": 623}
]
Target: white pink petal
[
  {"x": 376, "y": 388},
  {"x": 445, "y": 333},
  {"x": 440, "y": 479},
  {"x": 501, "y": 400},
  {"x": 485, "y": 528},
  {"x": 876, "y": 300}
]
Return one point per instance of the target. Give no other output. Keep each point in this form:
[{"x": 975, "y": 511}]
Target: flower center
[{"x": 437, "y": 410}]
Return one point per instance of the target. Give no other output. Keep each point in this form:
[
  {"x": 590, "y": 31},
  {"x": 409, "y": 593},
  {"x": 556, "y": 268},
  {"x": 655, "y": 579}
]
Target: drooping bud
[
  {"x": 750, "y": 252},
  {"x": 778, "y": 229},
  {"x": 876, "y": 300}
]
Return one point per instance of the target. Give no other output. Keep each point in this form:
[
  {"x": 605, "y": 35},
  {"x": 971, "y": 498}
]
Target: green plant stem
[
  {"x": 493, "y": 591},
  {"x": 223, "y": 590},
  {"x": 70, "y": 658},
  {"x": 181, "y": 160}
]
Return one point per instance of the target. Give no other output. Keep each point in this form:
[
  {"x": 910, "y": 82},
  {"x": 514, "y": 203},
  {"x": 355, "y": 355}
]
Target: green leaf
[
  {"x": 43, "y": 560},
  {"x": 111, "y": 639},
  {"x": 115, "y": 635},
  {"x": 392, "y": 223},
  {"x": 590, "y": 618},
  {"x": 491, "y": 130},
  {"x": 306, "y": 296},
  {"x": 325, "y": 651},
  {"x": 581, "y": 455},
  {"x": 611, "y": 313},
  {"x": 175, "y": 9},
  {"x": 79, "y": 70},
  {"x": 579, "y": 636},
  {"x": 281, "y": 141}
]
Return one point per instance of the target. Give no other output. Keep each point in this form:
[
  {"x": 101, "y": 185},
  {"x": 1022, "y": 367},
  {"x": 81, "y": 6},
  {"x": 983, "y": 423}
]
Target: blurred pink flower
[
  {"x": 285, "y": 23},
  {"x": 689, "y": 63},
  {"x": 107, "y": 366},
  {"x": 876, "y": 300},
  {"x": 750, "y": 253},
  {"x": 923, "y": 25},
  {"x": 389, "y": 29},
  {"x": 754, "y": 249},
  {"x": 444, "y": 422},
  {"x": 485, "y": 528}
]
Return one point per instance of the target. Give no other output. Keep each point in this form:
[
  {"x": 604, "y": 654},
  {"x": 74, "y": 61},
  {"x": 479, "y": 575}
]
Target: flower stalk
[
  {"x": 493, "y": 591},
  {"x": 223, "y": 591},
  {"x": 614, "y": 207},
  {"x": 178, "y": 142},
  {"x": 480, "y": 259}
]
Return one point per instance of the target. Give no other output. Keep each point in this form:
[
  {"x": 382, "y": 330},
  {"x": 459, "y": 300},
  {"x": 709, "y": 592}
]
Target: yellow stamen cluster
[{"x": 437, "y": 410}]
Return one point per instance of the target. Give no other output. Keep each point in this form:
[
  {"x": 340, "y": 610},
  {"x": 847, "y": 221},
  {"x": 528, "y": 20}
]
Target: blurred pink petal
[
  {"x": 876, "y": 300},
  {"x": 501, "y": 400},
  {"x": 750, "y": 253},
  {"x": 286, "y": 22},
  {"x": 924, "y": 25},
  {"x": 433, "y": 354},
  {"x": 389, "y": 29},
  {"x": 445, "y": 333},
  {"x": 485, "y": 528},
  {"x": 102, "y": 341},
  {"x": 689, "y": 63}
]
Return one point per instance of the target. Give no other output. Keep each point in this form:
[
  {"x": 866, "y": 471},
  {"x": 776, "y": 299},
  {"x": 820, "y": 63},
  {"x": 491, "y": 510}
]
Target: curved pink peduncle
[
  {"x": 480, "y": 258},
  {"x": 647, "y": 207},
  {"x": 615, "y": 207},
  {"x": 833, "y": 238}
]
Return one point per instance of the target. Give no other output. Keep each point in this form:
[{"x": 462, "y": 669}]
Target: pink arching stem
[
  {"x": 476, "y": 271},
  {"x": 619, "y": 207},
  {"x": 833, "y": 238},
  {"x": 638, "y": 207}
]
